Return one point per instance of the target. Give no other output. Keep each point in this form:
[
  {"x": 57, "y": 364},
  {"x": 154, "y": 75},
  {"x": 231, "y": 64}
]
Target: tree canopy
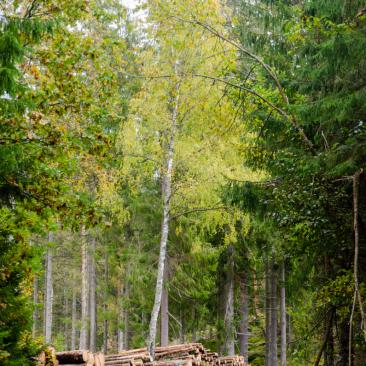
[{"x": 187, "y": 171}]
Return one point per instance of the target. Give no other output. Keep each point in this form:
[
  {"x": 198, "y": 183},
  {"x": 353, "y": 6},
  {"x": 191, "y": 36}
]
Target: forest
[{"x": 183, "y": 172}]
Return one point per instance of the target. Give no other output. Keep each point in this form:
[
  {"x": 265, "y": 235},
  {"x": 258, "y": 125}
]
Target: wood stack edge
[{"x": 188, "y": 354}]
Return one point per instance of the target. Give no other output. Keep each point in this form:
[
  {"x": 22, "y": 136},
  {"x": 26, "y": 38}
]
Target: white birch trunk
[
  {"x": 283, "y": 318},
  {"x": 84, "y": 291},
  {"x": 166, "y": 195},
  {"x": 120, "y": 340},
  {"x": 73, "y": 318},
  {"x": 93, "y": 300},
  {"x": 49, "y": 292},
  {"x": 164, "y": 314}
]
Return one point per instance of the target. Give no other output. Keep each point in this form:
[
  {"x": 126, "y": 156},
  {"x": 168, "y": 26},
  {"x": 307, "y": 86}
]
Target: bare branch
[
  {"x": 199, "y": 209},
  {"x": 266, "y": 67}
]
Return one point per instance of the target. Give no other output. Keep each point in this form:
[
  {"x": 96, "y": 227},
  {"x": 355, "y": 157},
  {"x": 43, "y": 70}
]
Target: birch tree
[{"x": 173, "y": 139}]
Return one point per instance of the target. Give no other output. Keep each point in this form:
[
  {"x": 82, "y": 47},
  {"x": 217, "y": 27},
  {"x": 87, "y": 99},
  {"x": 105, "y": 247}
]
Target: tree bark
[
  {"x": 105, "y": 306},
  {"x": 256, "y": 301},
  {"x": 357, "y": 293},
  {"x": 49, "y": 292},
  {"x": 75, "y": 357},
  {"x": 328, "y": 329},
  {"x": 35, "y": 304},
  {"x": 93, "y": 299},
  {"x": 166, "y": 195},
  {"x": 164, "y": 312},
  {"x": 84, "y": 291},
  {"x": 73, "y": 318},
  {"x": 229, "y": 305},
  {"x": 274, "y": 359},
  {"x": 126, "y": 316},
  {"x": 283, "y": 318},
  {"x": 244, "y": 309},
  {"x": 329, "y": 348},
  {"x": 343, "y": 329},
  {"x": 267, "y": 313},
  {"x": 120, "y": 330},
  {"x": 66, "y": 315}
]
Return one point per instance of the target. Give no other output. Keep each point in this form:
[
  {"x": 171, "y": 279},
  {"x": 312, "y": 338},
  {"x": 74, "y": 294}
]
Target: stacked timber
[
  {"x": 136, "y": 357},
  {"x": 232, "y": 361},
  {"x": 210, "y": 359},
  {"x": 189, "y": 354}
]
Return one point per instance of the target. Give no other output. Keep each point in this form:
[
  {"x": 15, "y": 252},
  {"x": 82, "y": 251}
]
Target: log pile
[
  {"x": 189, "y": 354},
  {"x": 232, "y": 361},
  {"x": 211, "y": 358},
  {"x": 136, "y": 357}
]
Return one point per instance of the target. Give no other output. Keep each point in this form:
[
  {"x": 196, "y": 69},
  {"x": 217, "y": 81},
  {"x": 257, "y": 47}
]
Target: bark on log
[{"x": 74, "y": 357}]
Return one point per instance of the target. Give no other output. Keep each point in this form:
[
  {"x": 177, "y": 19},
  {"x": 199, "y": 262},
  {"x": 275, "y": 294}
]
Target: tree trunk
[
  {"x": 105, "y": 301},
  {"x": 244, "y": 309},
  {"x": 256, "y": 301},
  {"x": 329, "y": 348},
  {"x": 49, "y": 292},
  {"x": 73, "y": 318},
  {"x": 35, "y": 304},
  {"x": 357, "y": 293},
  {"x": 66, "y": 324},
  {"x": 120, "y": 329},
  {"x": 267, "y": 313},
  {"x": 283, "y": 318},
  {"x": 93, "y": 300},
  {"x": 343, "y": 329},
  {"x": 274, "y": 359},
  {"x": 229, "y": 306},
  {"x": 126, "y": 316},
  {"x": 164, "y": 312},
  {"x": 84, "y": 291},
  {"x": 327, "y": 330},
  {"x": 166, "y": 195}
]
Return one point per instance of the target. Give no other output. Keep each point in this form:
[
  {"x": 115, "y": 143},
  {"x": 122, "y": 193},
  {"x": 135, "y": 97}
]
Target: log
[
  {"x": 99, "y": 359},
  {"x": 75, "y": 357}
]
